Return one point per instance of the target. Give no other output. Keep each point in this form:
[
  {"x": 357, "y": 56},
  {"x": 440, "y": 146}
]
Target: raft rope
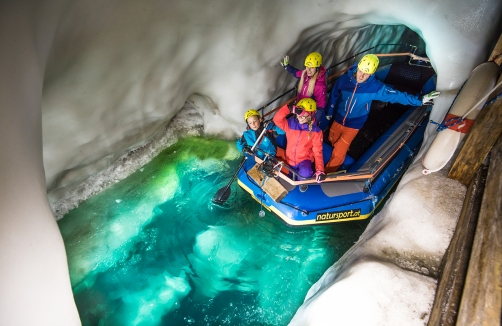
[
  {"x": 442, "y": 126},
  {"x": 457, "y": 120},
  {"x": 448, "y": 123},
  {"x": 263, "y": 168}
]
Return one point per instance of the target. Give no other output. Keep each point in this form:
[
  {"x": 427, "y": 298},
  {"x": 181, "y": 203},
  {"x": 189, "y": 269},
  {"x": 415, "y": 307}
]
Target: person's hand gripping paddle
[{"x": 222, "y": 195}]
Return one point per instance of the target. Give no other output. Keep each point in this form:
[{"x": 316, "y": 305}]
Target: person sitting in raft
[
  {"x": 350, "y": 102},
  {"x": 304, "y": 138},
  {"x": 312, "y": 82},
  {"x": 255, "y": 127}
]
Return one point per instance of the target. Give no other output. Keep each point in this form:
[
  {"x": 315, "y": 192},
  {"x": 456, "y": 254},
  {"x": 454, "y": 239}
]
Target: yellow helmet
[
  {"x": 313, "y": 60},
  {"x": 368, "y": 64},
  {"x": 250, "y": 113},
  {"x": 307, "y": 104}
]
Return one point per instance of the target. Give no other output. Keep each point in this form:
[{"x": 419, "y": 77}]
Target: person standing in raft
[
  {"x": 312, "y": 82},
  {"x": 249, "y": 137},
  {"x": 350, "y": 102},
  {"x": 304, "y": 138}
]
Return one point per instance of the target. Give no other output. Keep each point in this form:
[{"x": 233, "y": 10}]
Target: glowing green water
[{"x": 153, "y": 249}]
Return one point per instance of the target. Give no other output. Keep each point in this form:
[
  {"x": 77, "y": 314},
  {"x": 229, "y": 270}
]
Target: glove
[
  {"x": 320, "y": 176},
  {"x": 291, "y": 105},
  {"x": 285, "y": 61},
  {"x": 247, "y": 150},
  {"x": 427, "y": 99}
]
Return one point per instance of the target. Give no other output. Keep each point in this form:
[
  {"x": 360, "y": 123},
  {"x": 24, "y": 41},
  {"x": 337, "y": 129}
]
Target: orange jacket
[{"x": 302, "y": 143}]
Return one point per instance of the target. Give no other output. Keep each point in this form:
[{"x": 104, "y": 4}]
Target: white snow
[
  {"x": 83, "y": 82},
  {"x": 390, "y": 273}
]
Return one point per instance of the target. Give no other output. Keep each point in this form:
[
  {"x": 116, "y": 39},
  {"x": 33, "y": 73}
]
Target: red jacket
[{"x": 299, "y": 146}]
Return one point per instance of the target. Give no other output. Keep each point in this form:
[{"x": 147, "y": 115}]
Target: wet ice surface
[{"x": 154, "y": 250}]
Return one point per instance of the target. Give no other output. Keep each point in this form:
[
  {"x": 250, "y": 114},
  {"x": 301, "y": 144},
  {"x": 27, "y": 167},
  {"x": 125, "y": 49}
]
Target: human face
[
  {"x": 254, "y": 122},
  {"x": 361, "y": 77},
  {"x": 303, "y": 116},
  {"x": 303, "y": 119},
  {"x": 310, "y": 71}
]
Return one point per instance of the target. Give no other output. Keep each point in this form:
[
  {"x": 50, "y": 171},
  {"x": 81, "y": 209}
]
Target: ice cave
[{"x": 118, "y": 122}]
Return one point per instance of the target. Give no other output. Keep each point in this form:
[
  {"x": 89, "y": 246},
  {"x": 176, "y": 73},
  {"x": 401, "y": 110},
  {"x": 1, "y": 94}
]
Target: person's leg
[
  {"x": 305, "y": 169},
  {"x": 335, "y": 131},
  {"x": 340, "y": 144},
  {"x": 281, "y": 156},
  {"x": 302, "y": 169}
]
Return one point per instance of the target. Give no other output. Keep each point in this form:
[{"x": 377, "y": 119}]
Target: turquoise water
[{"x": 154, "y": 250}]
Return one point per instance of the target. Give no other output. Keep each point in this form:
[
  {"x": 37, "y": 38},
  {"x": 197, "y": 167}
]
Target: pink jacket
[{"x": 319, "y": 95}]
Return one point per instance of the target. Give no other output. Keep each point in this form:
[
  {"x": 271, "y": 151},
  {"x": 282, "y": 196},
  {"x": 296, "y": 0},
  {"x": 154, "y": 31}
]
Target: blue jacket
[
  {"x": 267, "y": 143},
  {"x": 350, "y": 102}
]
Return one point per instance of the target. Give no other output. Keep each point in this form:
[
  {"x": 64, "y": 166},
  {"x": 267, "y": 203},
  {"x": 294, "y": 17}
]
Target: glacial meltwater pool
[{"x": 154, "y": 250}]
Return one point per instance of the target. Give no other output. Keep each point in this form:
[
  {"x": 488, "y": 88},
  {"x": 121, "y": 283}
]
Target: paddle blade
[{"x": 222, "y": 195}]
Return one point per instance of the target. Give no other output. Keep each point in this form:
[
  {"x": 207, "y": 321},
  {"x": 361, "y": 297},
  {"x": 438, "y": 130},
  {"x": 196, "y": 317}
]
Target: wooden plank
[
  {"x": 497, "y": 52},
  {"x": 482, "y": 296},
  {"x": 453, "y": 268},
  {"x": 271, "y": 186},
  {"x": 479, "y": 141}
]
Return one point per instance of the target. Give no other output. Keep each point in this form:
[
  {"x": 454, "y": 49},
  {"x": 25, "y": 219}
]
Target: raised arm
[
  {"x": 293, "y": 71},
  {"x": 280, "y": 118},
  {"x": 388, "y": 94}
]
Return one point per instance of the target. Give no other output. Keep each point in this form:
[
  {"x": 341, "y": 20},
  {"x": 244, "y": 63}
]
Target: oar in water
[{"x": 222, "y": 195}]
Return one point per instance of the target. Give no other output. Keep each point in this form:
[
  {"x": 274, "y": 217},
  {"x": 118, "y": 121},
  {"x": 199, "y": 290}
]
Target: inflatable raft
[{"x": 378, "y": 157}]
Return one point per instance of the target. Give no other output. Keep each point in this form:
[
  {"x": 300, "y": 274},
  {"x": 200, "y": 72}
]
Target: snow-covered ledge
[
  {"x": 389, "y": 276},
  {"x": 187, "y": 122}
]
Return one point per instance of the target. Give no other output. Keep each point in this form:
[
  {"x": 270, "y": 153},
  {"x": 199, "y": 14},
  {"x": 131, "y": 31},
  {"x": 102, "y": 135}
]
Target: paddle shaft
[{"x": 227, "y": 187}]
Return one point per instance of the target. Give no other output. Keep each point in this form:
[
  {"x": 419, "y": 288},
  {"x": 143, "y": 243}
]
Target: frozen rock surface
[{"x": 187, "y": 122}]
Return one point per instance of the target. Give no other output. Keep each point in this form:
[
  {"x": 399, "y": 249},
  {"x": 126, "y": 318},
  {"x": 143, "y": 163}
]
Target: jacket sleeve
[
  {"x": 241, "y": 142},
  {"x": 317, "y": 149},
  {"x": 333, "y": 98},
  {"x": 388, "y": 94},
  {"x": 294, "y": 72},
  {"x": 280, "y": 118},
  {"x": 278, "y": 130}
]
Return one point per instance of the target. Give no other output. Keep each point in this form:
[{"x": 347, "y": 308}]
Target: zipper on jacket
[
  {"x": 296, "y": 146},
  {"x": 346, "y": 114}
]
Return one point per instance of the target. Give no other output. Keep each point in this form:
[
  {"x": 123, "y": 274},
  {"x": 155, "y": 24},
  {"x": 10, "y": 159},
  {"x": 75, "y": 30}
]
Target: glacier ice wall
[{"x": 82, "y": 82}]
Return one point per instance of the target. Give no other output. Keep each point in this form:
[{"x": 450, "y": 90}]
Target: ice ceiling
[{"x": 82, "y": 82}]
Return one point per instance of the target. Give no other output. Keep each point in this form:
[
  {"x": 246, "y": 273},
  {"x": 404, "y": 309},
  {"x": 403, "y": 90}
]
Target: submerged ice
[{"x": 165, "y": 254}]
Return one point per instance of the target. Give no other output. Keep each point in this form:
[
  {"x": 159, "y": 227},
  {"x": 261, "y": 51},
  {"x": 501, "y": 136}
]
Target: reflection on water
[{"x": 154, "y": 250}]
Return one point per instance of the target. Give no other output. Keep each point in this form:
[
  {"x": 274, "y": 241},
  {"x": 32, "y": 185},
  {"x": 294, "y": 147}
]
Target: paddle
[{"x": 222, "y": 195}]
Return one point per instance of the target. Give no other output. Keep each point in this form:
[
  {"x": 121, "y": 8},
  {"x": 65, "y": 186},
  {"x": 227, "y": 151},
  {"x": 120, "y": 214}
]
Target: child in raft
[
  {"x": 255, "y": 127},
  {"x": 304, "y": 138}
]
